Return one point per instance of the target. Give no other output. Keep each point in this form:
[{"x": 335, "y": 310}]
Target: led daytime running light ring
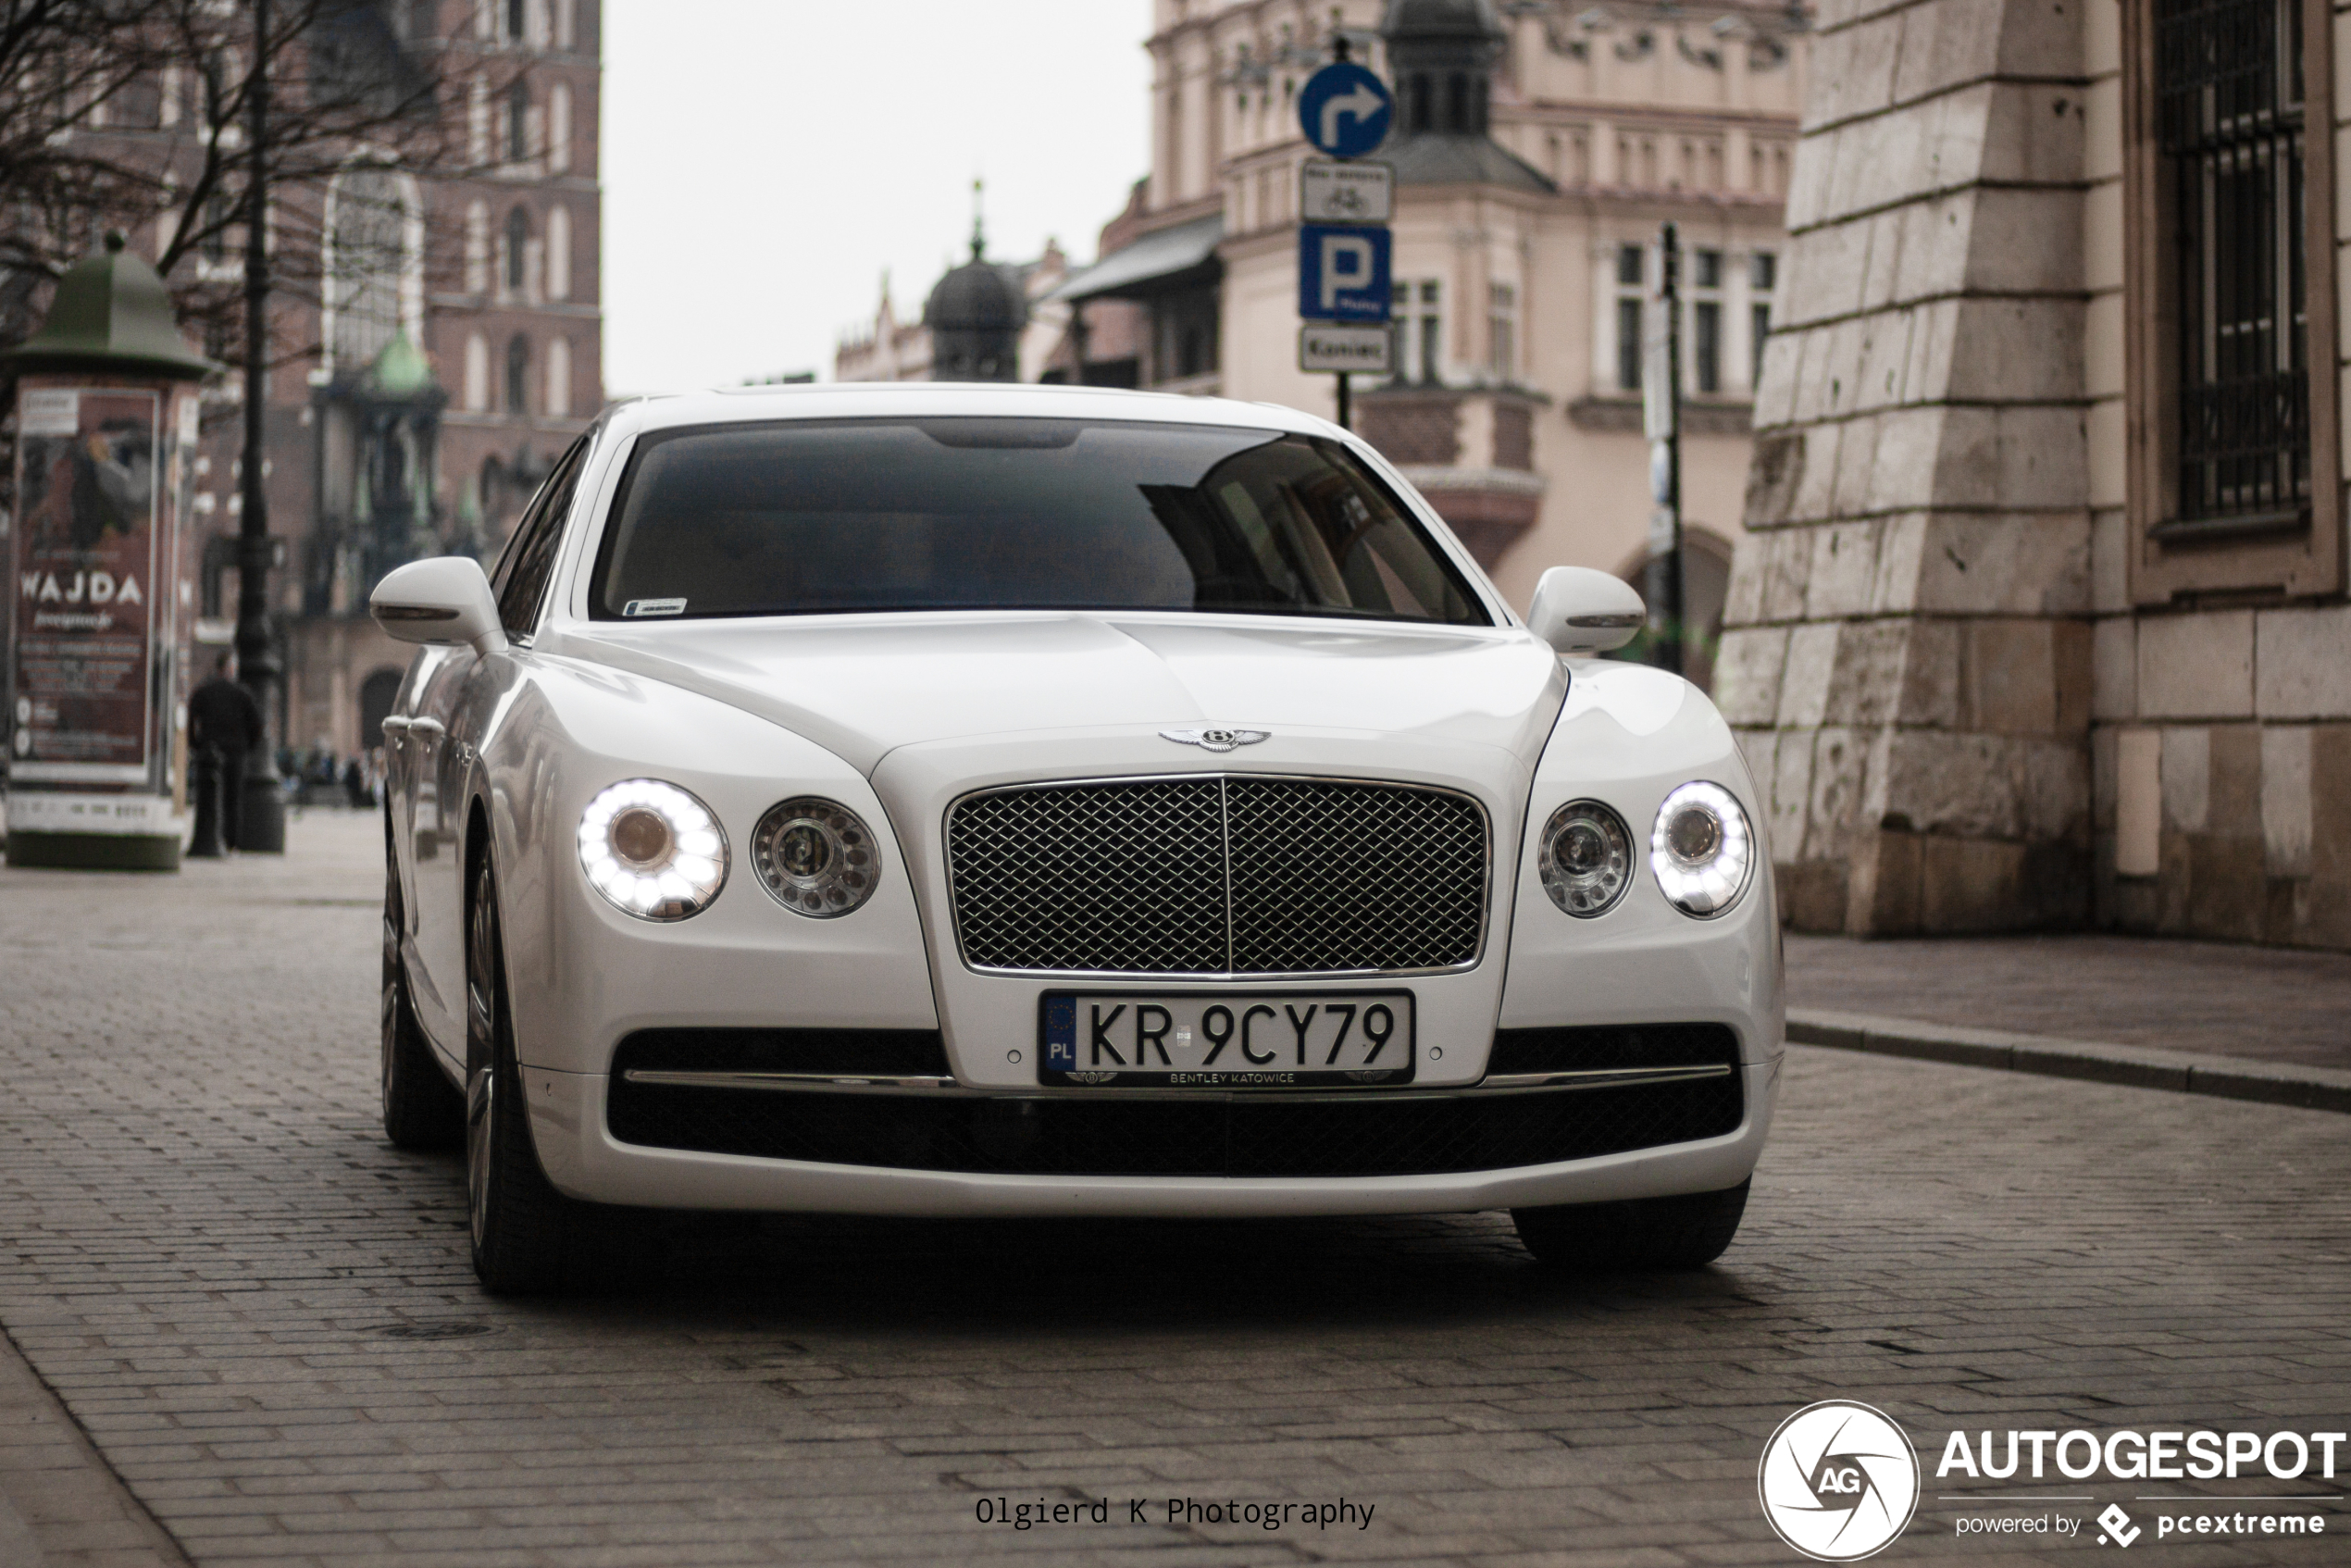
[
  {"x": 671, "y": 876},
  {"x": 1706, "y": 868}
]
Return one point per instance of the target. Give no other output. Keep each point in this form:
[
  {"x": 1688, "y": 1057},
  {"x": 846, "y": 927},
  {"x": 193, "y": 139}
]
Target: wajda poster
[{"x": 85, "y": 570}]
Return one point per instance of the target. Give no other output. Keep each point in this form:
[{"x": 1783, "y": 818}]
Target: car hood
[{"x": 863, "y": 687}]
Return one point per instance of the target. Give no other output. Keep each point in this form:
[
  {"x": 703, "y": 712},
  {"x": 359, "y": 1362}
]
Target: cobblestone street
[{"x": 263, "y": 1318}]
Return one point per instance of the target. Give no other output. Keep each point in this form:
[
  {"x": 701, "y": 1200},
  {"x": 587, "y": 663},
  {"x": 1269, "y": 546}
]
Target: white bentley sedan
[{"x": 995, "y": 800}]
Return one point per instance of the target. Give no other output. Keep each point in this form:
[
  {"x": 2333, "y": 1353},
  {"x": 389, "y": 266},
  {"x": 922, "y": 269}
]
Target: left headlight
[
  {"x": 1585, "y": 858},
  {"x": 653, "y": 849},
  {"x": 1702, "y": 850},
  {"x": 817, "y": 857}
]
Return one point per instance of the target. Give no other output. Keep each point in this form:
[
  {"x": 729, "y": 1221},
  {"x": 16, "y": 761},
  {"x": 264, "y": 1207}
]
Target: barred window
[
  {"x": 1763, "y": 272},
  {"x": 517, "y": 247},
  {"x": 2229, "y": 127},
  {"x": 1706, "y": 345},
  {"x": 1628, "y": 343},
  {"x": 518, "y": 374},
  {"x": 518, "y": 121},
  {"x": 1501, "y": 330}
]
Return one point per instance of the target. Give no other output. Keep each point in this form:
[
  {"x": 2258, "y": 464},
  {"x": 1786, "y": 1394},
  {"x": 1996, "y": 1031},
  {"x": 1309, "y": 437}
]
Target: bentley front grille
[{"x": 1219, "y": 874}]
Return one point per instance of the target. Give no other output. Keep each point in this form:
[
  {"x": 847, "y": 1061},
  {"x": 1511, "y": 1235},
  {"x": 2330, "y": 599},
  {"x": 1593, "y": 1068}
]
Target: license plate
[{"x": 1233, "y": 1040}]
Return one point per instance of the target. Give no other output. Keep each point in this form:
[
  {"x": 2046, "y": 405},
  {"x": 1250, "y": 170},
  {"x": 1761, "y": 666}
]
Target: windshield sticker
[{"x": 636, "y": 607}]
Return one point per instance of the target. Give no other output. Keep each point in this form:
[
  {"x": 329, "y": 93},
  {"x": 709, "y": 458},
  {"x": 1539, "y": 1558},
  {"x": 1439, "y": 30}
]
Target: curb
[
  {"x": 61, "y": 1502},
  {"x": 2140, "y": 1067}
]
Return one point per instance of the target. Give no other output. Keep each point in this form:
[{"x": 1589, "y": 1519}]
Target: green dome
[
  {"x": 111, "y": 313},
  {"x": 400, "y": 370}
]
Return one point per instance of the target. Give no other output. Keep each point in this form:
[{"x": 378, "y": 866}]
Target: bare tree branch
[{"x": 130, "y": 114}]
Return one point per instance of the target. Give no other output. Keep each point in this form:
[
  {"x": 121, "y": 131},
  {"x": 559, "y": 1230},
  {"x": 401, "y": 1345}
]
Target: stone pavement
[
  {"x": 262, "y": 1318},
  {"x": 2269, "y": 1004}
]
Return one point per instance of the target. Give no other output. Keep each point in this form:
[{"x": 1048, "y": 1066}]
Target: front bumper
[{"x": 582, "y": 1158}]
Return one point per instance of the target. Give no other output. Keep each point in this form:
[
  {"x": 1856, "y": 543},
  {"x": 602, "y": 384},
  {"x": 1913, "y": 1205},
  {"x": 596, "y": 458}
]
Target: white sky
[{"x": 764, "y": 160}]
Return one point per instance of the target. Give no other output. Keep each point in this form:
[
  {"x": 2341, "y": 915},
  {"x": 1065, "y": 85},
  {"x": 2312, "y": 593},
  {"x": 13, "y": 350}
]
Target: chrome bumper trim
[{"x": 1508, "y": 1083}]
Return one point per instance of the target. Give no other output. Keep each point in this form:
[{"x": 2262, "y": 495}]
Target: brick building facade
[
  {"x": 455, "y": 331},
  {"x": 499, "y": 292}
]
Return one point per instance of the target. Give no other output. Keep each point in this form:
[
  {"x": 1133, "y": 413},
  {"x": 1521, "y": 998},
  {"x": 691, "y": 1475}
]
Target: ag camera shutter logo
[{"x": 1839, "y": 1481}]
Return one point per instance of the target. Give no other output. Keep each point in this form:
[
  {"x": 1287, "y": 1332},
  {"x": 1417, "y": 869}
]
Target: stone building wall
[
  {"x": 1909, "y": 656},
  {"x": 1980, "y": 693}
]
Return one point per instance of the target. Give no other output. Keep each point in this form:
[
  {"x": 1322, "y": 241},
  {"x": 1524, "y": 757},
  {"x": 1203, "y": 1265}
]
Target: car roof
[{"x": 867, "y": 400}]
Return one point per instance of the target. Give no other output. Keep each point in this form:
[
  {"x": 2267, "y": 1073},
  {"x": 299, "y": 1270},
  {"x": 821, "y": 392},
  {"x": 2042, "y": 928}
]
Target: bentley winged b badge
[{"x": 1216, "y": 738}]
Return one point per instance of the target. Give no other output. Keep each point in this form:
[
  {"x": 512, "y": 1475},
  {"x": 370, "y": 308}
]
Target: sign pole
[{"x": 1338, "y": 54}]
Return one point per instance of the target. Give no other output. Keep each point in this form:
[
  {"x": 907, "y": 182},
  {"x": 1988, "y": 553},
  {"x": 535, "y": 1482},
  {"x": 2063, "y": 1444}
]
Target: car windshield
[{"x": 828, "y": 517}]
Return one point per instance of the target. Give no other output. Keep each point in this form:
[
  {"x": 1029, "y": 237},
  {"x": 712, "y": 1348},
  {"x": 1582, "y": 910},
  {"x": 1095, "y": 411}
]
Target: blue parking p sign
[{"x": 1342, "y": 272}]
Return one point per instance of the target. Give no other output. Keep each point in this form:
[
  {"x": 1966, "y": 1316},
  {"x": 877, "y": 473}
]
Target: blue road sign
[
  {"x": 1345, "y": 110},
  {"x": 1343, "y": 272}
]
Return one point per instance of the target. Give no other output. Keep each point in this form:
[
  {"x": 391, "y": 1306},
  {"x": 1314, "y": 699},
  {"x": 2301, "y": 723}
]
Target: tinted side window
[
  {"x": 516, "y": 541},
  {"x": 532, "y": 554}
]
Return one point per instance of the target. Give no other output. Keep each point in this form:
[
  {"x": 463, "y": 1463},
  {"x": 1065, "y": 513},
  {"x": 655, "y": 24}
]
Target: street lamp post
[
  {"x": 262, "y": 811},
  {"x": 1662, "y": 390}
]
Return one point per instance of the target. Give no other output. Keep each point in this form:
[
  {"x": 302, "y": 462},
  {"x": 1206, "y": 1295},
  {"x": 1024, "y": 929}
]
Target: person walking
[{"x": 225, "y": 720}]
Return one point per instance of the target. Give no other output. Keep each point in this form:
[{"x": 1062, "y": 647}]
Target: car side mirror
[
  {"x": 1577, "y": 610},
  {"x": 445, "y": 600}
]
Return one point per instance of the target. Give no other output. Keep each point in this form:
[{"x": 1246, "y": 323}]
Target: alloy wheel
[
  {"x": 482, "y": 1052},
  {"x": 480, "y": 1132}
]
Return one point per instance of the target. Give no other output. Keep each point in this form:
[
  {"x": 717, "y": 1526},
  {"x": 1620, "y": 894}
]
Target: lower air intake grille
[
  {"x": 1243, "y": 1137},
  {"x": 1588, "y": 1047},
  {"x": 1239, "y": 873},
  {"x": 849, "y": 1052}
]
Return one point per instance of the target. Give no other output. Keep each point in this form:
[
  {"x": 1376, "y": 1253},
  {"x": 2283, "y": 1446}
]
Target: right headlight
[
  {"x": 816, "y": 856},
  {"x": 1703, "y": 851}
]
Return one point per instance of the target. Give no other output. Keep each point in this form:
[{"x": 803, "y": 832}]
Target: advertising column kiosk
[{"x": 98, "y": 626}]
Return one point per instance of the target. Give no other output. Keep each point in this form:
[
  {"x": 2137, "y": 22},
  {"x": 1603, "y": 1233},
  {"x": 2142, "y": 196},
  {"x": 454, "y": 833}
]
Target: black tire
[
  {"x": 422, "y": 1108},
  {"x": 1684, "y": 1232},
  {"x": 523, "y": 1230}
]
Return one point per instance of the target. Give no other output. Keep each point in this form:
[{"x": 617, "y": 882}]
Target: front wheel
[
  {"x": 1687, "y": 1231},
  {"x": 523, "y": 1230}
]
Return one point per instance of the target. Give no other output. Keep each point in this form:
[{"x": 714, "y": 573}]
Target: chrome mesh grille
[
  {"x": 1239, "y": 873},
  {"x": 1057, "y": 879},
  {"x": 1331, "y": 876}
]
